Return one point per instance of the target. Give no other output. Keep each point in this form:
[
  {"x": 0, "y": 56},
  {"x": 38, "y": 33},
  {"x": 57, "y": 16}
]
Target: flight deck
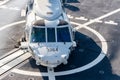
[{"x": 96, "y": 56}]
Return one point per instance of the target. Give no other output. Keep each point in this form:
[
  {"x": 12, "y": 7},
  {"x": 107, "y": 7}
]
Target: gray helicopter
[{"x": 49, "y": 36}]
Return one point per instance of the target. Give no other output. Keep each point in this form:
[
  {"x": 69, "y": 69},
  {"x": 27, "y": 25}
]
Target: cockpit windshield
[
  {"x": 61, "y": 34},
  {"x": 38, "y": 35}
]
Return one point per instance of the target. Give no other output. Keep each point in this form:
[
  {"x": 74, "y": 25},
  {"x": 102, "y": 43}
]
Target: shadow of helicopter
[
  {"x": 71, "y": 1},
  {"x": 71, "y": 7},
  {"x": 86, "y": 51}
]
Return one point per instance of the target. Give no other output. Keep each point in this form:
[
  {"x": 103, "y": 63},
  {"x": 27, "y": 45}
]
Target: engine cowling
[{"x": 48, "y": 9}]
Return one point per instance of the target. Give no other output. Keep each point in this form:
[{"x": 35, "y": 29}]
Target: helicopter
[{"x": 48, "y": 34}]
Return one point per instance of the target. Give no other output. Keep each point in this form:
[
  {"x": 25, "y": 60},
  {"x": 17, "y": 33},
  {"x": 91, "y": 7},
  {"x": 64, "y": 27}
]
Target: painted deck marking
[
  {"x": 101, "y": 17},
  {"x": 3, "y": 2},
  {"x": 69, "y": 16},
  {"x": 97, "y": 21},
  {"x": 15, "y": 23},
  {"x": 13, "y": 63},
  {"x": 81, "y": 18},
  {"x": 10, "y": 8},
  {"x": 10, "y": 57},
  {"x": 111, "y": 22},
  {"x": 51, "y": 73}
]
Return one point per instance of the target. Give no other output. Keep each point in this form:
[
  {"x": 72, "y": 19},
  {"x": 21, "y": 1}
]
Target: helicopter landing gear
[{"x": 23, "y": 39}]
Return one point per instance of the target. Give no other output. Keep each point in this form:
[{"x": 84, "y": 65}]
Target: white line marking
[
  {"x": 3, "y": 2},
  {"x": 76, "y": 24},
  {"x": 111, "y": 22},
  {"x": 97, "y": 21},
  {"x": 15, "y": 23},
  {"x": 69, "y": 16},
  {"x": 93, "y": 63},
  {"x": 4, "y": 7},
  {"x": 11, "y": 57},
  {"x": 13, "y": 63},
  {"x": 10, "y": 8},
  {"x": 102, "y": 17},
  {"x": 14, "y": 8},
  {"x": 81, "y": 18},
  {"x": 14, "y": 50},
  {"x": 99, "y": 18},
  {"x": 51, "y": 74},
  {"x": 29, "y": 73}
]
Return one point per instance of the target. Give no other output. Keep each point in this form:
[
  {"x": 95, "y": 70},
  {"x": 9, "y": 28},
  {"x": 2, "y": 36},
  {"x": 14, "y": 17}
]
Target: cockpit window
[
  {"x": 51, "y": 34},
  {"x": 63, "y": 35},
  {"x": 38, "y": 35}
]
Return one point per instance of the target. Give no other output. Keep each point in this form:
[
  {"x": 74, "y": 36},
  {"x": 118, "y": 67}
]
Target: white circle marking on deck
[{"x": 76, "y": 70}]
